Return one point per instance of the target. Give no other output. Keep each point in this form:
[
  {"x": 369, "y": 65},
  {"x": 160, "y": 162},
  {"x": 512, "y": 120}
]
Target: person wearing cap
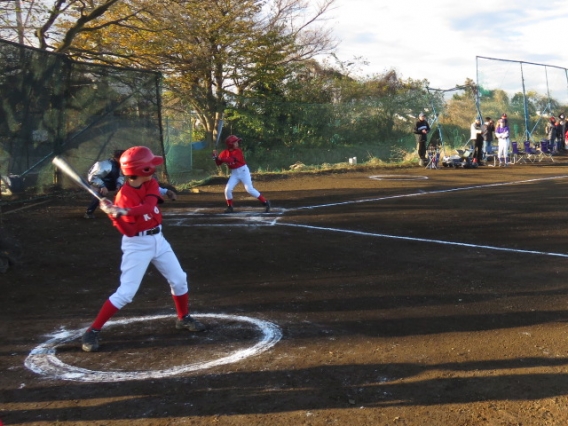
[
  {"x": 502, "y": 134},
  {"x": 562, "y": 124},
  {"x": 421, "y": 130}
]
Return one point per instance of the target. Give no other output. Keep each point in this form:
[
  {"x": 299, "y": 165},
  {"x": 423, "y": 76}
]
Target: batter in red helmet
[
  {"x": 233, "y": 157},
  {"x": 136, "y": 215}
]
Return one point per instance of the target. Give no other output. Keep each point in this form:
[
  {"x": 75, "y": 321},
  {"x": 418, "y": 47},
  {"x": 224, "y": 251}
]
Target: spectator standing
[
  {"x": 502, "y": 134},
  {"x": 421, "y": 130},
  {"x": 551, "y": 132},
  {"x": 562, "y": 123},
  {"x": 476, "y": 141},
  {"x": 487, "y": 130}
]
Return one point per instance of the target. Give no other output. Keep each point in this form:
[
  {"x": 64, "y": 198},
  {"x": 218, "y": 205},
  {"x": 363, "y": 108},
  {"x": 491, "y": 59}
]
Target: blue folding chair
[
  {"x": 530, "y": 153},
  {"x": 545, "y": 152},
  {"x": 518, "y": 155}
]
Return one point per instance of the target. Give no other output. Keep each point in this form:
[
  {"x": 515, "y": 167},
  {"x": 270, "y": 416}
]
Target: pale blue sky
[{"x": 440, "y": 39}]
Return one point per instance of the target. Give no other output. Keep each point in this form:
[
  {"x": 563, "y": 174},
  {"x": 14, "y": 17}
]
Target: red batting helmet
[
  {"x": 231, "y": 140},
  {"x": 139, "y": 161}
]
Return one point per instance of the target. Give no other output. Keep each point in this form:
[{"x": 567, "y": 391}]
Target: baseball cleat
[
  {"x": 189, "y": 323},
  {"x": 266, "y": 206},
  {"x": 89, "y": 215},
  {"x": 90, "y": 341},
  {"x": 229, "y": 209}
]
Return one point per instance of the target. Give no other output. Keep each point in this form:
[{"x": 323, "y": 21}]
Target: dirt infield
[{"x": 382, "y": 296}]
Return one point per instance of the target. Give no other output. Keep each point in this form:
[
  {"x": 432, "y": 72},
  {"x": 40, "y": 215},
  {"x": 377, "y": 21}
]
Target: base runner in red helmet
[
  {"x": 233, "y": 157},
  {"x": 136, "y": 215}
]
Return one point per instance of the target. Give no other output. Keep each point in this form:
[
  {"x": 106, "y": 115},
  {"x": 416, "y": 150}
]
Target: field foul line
[
  {"x": 442, "y": 191},
  {"x": 423, "y": 240},
  {"x": 429, "y": 240},
  {"x": 262, "y": 220}
]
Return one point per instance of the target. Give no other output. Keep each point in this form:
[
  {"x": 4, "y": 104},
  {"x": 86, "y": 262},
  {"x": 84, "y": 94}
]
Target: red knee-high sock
[
  {"x": 262, "y": 199},
  {"x": 182, "y": 304},
  {"x": 229, "y": 202},
  {"x": 106, "y": 312}
]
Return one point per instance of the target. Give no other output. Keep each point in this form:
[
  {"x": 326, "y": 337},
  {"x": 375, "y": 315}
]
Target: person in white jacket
[{"x": 502, "y": 134}]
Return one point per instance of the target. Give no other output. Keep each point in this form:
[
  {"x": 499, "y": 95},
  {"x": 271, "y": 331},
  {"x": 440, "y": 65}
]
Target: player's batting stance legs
[
  {"x": 234, "y": 159},
  {"x": 137, "y": 255},
  {"x": 242, "y": 174}
]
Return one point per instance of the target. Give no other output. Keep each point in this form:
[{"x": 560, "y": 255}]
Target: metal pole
[
  {"x": 477, "y": 95},
  {"x": 527, "y": 133},
  {"x": 436, "y": 119}
]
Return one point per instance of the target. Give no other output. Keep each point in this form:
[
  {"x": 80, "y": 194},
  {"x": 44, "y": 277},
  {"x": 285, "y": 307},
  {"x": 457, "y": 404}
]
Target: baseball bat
[
  {"x": 66, "y": 168},
  {"x": 219, "y": 131}
]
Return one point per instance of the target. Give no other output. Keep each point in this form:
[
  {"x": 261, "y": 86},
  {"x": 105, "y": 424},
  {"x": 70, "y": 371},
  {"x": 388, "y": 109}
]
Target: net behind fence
[
  {"x": 55, "y": 106},
  {"x": 528, "y": 93}
]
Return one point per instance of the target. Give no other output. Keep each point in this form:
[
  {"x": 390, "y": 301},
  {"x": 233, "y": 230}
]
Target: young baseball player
[
  {"x": 233, "y": 157},
  {"x": 136, "y": 215}
]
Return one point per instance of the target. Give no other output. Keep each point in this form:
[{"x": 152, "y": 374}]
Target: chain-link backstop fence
[{"x": 529, "y": 93}]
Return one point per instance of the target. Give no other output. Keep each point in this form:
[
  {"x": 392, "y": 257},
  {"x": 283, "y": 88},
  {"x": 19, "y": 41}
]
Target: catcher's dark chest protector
[{"x": 111, "y": 178}]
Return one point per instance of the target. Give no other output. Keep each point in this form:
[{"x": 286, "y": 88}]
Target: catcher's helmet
[
  {"x": 231, "y": 140},
  {"x": 139, "y": 161}
]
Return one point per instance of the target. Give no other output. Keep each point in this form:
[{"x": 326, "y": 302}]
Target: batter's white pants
[
  {"x": 242, "y": 174},
  {"x": 137, "y": 254}
]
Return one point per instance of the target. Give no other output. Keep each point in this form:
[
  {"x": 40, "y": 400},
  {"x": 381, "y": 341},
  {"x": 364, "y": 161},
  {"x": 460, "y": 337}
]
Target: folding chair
[
  {"x": 545, "y": 151},
  {"x": 530, "y": 153},
  {"x": 433, "y": 156},
  {"x": 518, "y": 155},
  {"x": 491, "y": 157}
]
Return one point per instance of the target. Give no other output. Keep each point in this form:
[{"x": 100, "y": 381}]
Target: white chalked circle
[
  {"x": 43, "y": 358},
  {"x": 398, "y": 177}
]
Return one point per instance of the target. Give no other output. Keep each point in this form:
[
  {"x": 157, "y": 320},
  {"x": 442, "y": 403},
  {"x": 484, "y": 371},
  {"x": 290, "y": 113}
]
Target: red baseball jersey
[
  {"x": 234, "y": 158},
  {"x": 142, "y": 204}
]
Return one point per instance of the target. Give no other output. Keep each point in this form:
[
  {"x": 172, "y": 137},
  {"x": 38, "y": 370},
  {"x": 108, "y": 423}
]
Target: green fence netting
[{"x": 52, "y": 105}]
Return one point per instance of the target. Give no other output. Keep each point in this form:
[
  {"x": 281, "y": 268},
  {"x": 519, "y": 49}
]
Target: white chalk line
[
  {"x": 429, "y": 240},
  {"x": 43, "y": 358},
  {"x": 423, "y": 240},
  {"x": 258, "y": 219},
  {"x": 398, "y": 177},
  {"x": 422, "y": 193}
]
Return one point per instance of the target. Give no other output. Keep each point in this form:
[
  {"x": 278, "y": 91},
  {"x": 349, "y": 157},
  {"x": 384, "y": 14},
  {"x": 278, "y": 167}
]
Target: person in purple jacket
[{"x": 502, "y": 134}]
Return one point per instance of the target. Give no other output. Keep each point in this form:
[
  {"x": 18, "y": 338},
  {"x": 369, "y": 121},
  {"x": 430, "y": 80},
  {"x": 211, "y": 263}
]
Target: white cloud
[{"x": 439, "y": 40}]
